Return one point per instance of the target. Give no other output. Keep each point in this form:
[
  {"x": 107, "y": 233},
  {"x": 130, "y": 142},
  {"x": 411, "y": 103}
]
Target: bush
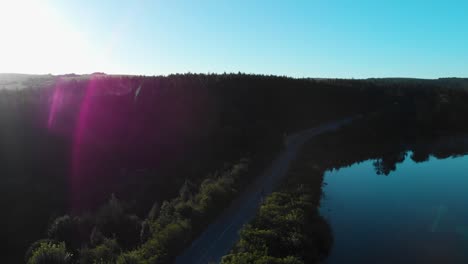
[
  {"x": 107, "y": 252},
  {"x": 112, "y": 221},
  {"x": 258, "y": 257},
  {"x": 50, "y": 253},
  {"x": 287, "y": 229},
  {"x": 129, "y": 258},
  {"x": 35, "y": 246},
  {"x": 170, "y": 228},
  {"x": 65, "y": 229}
]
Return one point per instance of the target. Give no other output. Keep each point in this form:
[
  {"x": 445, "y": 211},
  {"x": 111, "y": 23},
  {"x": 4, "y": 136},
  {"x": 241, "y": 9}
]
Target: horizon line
[{"x": 230, "y": 73}]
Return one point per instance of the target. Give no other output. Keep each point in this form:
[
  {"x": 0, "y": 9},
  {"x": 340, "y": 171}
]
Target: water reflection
[
  {"x": 387, "y": 164},
  {"x": 415, "y": 215}
]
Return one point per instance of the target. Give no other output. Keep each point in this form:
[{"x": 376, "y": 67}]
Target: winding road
[{"x": 220, "y": 236}]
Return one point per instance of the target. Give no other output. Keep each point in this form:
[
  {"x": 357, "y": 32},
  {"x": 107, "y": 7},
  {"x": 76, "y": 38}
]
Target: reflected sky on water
[{"x": 416, "y": 214}]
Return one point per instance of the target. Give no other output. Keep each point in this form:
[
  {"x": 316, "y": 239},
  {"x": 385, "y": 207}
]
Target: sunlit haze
[
  {"x": 308, "y": 38},
  {"x": 37, "y": 38}
]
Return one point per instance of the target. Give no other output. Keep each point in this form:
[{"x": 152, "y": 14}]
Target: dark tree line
[{"x": 67, "y": 143}]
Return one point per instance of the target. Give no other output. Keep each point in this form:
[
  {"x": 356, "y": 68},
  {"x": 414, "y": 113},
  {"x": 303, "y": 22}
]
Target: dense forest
[{"x": 112, "y": 169}]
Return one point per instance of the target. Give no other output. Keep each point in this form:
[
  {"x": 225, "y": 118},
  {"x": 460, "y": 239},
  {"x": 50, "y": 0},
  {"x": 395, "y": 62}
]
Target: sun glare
[{"x": 36, "y": 39}]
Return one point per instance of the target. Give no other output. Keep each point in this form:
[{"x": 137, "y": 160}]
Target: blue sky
[{"x": 315, "y": 38}]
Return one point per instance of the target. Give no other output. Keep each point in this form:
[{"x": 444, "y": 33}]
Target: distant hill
[{"x": 11, "y": 81}]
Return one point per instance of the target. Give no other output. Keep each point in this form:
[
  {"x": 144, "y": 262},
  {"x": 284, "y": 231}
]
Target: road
[{"x": 218, "y": 239}]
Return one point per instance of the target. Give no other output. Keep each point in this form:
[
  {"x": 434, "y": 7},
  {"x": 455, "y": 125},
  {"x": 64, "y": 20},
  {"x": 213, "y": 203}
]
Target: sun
[{"x": 35, "y": 38}]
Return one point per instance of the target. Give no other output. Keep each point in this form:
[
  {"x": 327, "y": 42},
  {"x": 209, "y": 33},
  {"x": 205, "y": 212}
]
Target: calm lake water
[{"x": 416, "y": 214}]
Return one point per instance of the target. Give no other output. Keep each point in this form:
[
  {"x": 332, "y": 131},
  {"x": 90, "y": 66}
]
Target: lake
[{"x": 416, "y": 214}]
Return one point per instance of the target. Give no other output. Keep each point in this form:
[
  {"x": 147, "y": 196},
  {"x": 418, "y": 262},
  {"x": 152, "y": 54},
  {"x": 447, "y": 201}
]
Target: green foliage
[
  {"x": 287, "y": 229},
  {"x": 129, "y": 258},
  {"x": 50, "y": 253},
  {"x": 65, "y": 229},
  {"x": 106, "y": 252},
  {"x": 187, "y": 190},
  {"x": 96, "y": 237},
  {"x": 258, "y": 257},
  {"x": 35, "y": 246},
  {"x": 167, "y": 214},
  {"x": 165, "y": 242},
  {"x": 113, "y": 221},
  {"x": 154, "y": 212},
  {"x": 145, "y": 232},
  {"x": 180, "y": 219}
]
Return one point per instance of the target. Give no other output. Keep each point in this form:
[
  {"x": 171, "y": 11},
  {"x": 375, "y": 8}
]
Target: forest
[{"x": 130, "y": 169}]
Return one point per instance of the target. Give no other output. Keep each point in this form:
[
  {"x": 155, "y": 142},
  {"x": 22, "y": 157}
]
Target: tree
[
  {"x": 154, "y": 211},
  {"x": 107, "y": 252},
  {"x": 65, "y": 229},
  {"x": 187, "y": 190},
  {"x": 50, "y": 253}
]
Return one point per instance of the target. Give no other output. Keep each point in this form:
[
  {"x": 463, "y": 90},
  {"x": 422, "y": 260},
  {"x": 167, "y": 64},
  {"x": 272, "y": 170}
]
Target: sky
[{"x": 308, "y": 38}]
